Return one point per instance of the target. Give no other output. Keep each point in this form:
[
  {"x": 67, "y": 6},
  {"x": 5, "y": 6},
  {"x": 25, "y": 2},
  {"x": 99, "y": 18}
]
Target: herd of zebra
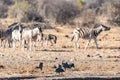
[{"x": 27, "y": 36}]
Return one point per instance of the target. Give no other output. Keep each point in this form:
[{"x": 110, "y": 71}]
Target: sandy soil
[{"x": 92, "y": 63}]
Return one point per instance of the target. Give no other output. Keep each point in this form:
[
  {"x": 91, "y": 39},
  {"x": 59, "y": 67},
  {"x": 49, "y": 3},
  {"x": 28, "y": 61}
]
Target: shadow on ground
[
  {"x": 58, "y": 50},
  {"x": 90, "y": 79},
  {"x": 111, "y": 47},
  {"x": 58, "y": 78},
  {"x": 19, "y": 78}
]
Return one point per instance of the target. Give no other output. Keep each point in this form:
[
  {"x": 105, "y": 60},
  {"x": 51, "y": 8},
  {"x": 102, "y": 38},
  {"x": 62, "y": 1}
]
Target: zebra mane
[
  {"x": 103, "y": 25},
  {"x": 97, "y": 25},
  {"x": 12, "y": 24}
]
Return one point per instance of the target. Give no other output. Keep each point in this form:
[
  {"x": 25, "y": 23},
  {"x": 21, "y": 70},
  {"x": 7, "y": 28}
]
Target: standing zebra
[
  {"x": 49, "y": 38},
  {"x": 89, "y": 34}
]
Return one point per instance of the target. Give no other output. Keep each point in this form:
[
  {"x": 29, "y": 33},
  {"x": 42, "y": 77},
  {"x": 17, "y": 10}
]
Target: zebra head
[
  {"x": 104, "y": 28},
  {"x": 39, "y": 27}
]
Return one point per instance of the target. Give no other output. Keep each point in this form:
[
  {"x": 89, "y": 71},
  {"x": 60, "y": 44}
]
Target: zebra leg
[
  {"x": 87, "y": 43},
  {"x": 51, "y": 43},
  {"x": 13, "y": 44},
  {"x": 5, "y": 43},
  {"x": 1, "y": 43},
  {"x": 34, "y": 45},
  {"x": 23, "y": 44},
  {"x": 20, "y": 43},
  {"x": 76, "y": 40},
  {"x": 72, "y": 38},
  {"x": 95, "y": 40},
  {"x": 9, "y": 42},
  {"x": 30, "y": 48},
  {"x": 41, "y": 42},
  {"x": 46, "y": 44},
  {"x": 77, "y": 44}
]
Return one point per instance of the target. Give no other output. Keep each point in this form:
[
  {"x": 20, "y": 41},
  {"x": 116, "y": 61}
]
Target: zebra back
[{"x": 83, "y": 32}]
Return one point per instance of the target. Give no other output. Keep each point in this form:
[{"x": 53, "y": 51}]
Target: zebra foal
[
  {"x": 89, "y": 34},
  {"x": 49, "y": 38}
]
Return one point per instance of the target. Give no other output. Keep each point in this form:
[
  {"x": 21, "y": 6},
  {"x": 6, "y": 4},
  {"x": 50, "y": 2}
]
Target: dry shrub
[
  {"x": 88, "y": 15},
  {"x": 59, "y": 11},
  {"x": 18, "y": 10},
  {"x": 3, "y": 9},
  {"x": 87, "y": 18},
  {"x": 111, "y": 9},
  {"x": 67, "y": 12},
  {"x": 23, "y": 11}
]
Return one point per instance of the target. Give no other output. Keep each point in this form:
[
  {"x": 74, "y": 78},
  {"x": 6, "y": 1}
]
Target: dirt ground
[{"x": 92, "y": 63}]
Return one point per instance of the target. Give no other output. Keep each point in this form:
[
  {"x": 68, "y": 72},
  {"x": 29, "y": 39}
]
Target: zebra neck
[{"x": 97, "y": 32}]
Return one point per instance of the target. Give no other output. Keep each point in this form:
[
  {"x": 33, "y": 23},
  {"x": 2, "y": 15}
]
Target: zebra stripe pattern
[{"x": 87, "y": 33}]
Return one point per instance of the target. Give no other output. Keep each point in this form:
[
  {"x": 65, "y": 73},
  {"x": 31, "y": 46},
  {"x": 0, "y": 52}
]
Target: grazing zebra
[
  {"x": 16, "y": 35},
  {"x": 49, "y": 37},
  {"x": 30, "y": 35},
  {"x": 89, "y": 34},
  {"x": 4, "y": 37},
  {"x": 6, "y": 34}
]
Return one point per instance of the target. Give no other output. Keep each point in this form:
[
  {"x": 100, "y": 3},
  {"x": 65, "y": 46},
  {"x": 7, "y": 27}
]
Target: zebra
[
  {"x": 6, "y": 34},
  {"x": 17, "y": 34},
  {"x": 87, "y": 33},
  {"x": 49, "y": 38},
  {"x": 30, "y": 35}
]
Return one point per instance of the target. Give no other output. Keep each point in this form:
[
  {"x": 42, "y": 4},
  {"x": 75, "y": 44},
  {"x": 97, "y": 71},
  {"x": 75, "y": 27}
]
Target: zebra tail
[
  {"x": 55, "y": 39},
  {"x": 72, "y": 38}
]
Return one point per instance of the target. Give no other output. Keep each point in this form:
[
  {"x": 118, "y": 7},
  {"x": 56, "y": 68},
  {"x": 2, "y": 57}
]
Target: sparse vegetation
[
  {"x": 111, "y": 9},
  {"x": 61, "y": 12}
]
